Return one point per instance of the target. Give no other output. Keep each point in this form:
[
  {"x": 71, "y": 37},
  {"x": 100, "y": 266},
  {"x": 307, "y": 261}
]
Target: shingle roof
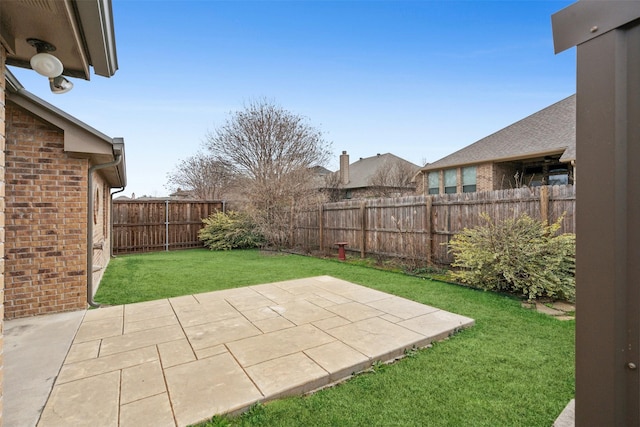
[
  {"x": 551, "y": 130},
  {"x": 361, "y": 171}
]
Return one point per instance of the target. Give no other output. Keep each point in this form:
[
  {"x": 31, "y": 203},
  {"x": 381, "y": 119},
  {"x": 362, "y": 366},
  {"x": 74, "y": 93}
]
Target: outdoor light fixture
[
  {"x": 60, "y": 84},
  {"x": 49, "y": 66}
]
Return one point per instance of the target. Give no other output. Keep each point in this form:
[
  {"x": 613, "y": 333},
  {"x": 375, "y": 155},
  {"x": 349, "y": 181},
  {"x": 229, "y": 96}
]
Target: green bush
[
  {"x": 231, "y": 230},
  {"x": 520, "y": 255}
]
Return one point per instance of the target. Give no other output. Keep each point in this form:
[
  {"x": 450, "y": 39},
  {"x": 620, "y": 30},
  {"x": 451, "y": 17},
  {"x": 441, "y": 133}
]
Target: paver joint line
[{"x": 220, "y": 352}]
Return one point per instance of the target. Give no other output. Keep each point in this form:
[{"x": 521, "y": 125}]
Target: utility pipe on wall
[
  {"x": 111, "y": 220},
  {"x": 90, "y": 204}
]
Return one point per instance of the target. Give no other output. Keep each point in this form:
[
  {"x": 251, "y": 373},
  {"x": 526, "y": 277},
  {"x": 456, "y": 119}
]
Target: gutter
[
  {"x": 96, "y": 20},
  {"x": 111, "y": 220},
  {"x": 116, "y": 162}
]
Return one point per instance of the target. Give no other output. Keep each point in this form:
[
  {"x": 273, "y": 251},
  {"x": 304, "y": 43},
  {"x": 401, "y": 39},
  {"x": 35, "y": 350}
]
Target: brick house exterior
[
  {"x": 537, "y": 150},
  {"x": 46, "y": 217},
  {"x": 3, "y": 55},
  {"x": 48, "y": 158},
  {"x": 83, "y": 33}
]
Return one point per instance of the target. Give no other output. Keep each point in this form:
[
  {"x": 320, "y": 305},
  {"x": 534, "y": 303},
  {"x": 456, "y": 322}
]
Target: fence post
[
  {"x": 607, "y": 36},
  {"x": 166, "y": 225},
  {"x": 544, "y": 203},
  {"x": 427, "y": 228},
  {"x": 291, "y": 223},
  {"x": 363, "y": 220},
  {"x": 321, "y": 226}
]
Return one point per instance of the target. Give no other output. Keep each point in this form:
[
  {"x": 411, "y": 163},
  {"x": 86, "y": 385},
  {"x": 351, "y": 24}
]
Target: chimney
[{"x": 344, "y": 168}]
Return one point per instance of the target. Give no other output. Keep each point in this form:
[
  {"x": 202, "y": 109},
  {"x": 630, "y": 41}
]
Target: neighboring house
[
  {"x": 320, "y": 173},
  {"x": 321, "y": 177},
  {"x": 537, "y": 150},
  {"x": 56, "y": 172},
  {"x": 181, "y": 194},
  {"x": 382, "y": 175}
]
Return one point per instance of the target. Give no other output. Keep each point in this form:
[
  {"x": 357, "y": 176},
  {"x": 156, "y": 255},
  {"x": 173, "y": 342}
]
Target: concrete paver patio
[{"x": 182, "y": 360}]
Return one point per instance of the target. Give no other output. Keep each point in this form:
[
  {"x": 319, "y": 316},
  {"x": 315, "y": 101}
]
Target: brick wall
[
  {"x": 503, "y": 176},
  {"x": 101, "y": 220},
  {"x": 484, "y": 177},
  {"x": 2, "y": 216},
  {"x": 46, "y": 219},
  {"x": 489, "y": 177}
]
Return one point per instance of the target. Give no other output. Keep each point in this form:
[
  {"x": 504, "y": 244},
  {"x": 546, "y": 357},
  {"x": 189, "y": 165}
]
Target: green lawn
[{"x": 515, "y": 367}]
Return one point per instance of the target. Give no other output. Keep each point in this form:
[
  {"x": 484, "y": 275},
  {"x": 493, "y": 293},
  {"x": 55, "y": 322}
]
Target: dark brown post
[
  {"x": 321, "y": 227},
  {"x": 544, "y": 204},
  {"x": 607, "y": 34},
  {"x": 363, "y": 219},
  {"x": 428, "y": 229}
]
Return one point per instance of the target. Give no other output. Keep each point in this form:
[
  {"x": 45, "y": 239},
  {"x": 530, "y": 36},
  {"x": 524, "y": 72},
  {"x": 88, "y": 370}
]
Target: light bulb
[{"x": 46, "y": 65}]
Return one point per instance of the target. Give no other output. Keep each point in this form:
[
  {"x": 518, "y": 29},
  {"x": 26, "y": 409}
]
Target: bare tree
[
  {"x": 203, "y": 175},
  {"x": 273, "y": 152},
  {"x": 331, "y": 187},
  {"x": 392, "y": 177}
]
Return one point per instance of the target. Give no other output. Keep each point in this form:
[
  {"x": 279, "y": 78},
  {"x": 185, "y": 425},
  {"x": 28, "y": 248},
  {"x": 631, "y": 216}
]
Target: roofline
[
  {"x": 427, "y": 168},
  {"x": 92, "y": 27},
  {"x": 97, "y": 17},
  {"x": 121, "y": 168},
  {"x": 435, "y": 165},
  {"x": 377, "y": 156},
  {"x": 14, "y": 87}
]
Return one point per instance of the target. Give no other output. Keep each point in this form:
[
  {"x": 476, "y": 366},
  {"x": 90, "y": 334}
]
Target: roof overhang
[
  {"x": 529, "y": 156},
  {"x": 80, "y": 139},
  {"x": 81, "y": 30},
  {"x": 524, "y": 157}
]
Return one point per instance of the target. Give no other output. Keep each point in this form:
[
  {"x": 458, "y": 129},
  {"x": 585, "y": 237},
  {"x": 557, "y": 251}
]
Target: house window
[
  {"x": 469, "y": 179},
  {"x": 96, "y": 206},
  {"x": 106, "y": 214},
  {"x": 450, "y": 181},
  {"x": 434, "y": 182},
  {"x": 348, "y": 194},
  {"x": 558, "y": 176}
]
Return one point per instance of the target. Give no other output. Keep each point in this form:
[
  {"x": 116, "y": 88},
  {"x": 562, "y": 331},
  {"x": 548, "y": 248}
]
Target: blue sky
[{"x": 419, "y": 79}]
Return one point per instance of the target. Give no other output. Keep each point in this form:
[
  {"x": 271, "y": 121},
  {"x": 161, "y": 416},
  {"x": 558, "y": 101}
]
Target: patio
[{"x": 181, "y": 360}]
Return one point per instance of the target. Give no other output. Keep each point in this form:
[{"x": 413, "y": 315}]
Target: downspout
[
  {"x": 92, "y": 169},
  {"x": 111, "y": 221}
]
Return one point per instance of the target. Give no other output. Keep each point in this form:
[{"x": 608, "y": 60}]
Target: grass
[{"x": 515, "y": 367}]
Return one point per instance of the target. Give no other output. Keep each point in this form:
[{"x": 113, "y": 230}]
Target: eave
[
  {"x": 80, "y": 139},
  {"x": 81, "y": 30}
]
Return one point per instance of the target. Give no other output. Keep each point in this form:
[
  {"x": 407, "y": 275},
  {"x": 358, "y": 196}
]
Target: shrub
[
  {"x": 231, "y": 230},
  {"x": 520, "y": 255}
]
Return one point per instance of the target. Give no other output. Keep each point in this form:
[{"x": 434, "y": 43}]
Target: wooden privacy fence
[
  {"x": 419, "y": 227},
  {"x": 159, "y": 225}
]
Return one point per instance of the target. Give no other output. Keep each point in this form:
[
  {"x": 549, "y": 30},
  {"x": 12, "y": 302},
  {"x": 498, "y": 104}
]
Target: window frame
[
  {"x": 433, "y": 189},
  {"x": 447, "y": 174},
  {"x": 469, "y": 187}
]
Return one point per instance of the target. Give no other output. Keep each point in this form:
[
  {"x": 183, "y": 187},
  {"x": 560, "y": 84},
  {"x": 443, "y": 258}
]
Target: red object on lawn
[{"x": 341, "y": 254}]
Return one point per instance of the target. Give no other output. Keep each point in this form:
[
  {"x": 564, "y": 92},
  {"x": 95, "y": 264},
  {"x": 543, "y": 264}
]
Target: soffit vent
[{"x": 49, "y": 6}]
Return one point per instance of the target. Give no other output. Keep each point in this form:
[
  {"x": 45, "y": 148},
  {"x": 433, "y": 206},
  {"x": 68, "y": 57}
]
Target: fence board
[
  {"x": 421, "y": 226},
  {"x": 158, "y": 225}
]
